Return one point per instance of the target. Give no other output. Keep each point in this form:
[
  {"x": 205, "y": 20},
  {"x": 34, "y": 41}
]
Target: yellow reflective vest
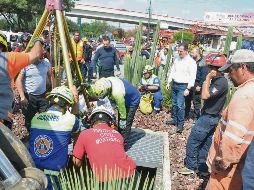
[{"x": 78, "y": 49}]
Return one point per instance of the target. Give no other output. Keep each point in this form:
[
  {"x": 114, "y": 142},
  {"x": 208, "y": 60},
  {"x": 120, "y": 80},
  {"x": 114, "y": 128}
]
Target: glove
[
  {"x": 122, "y": 124},
  {"x": 143, "y": 88},
  {"x": 36, "y": 39}
]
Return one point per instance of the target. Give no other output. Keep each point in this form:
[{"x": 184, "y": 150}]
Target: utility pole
[{"x": 149, "y": 18}]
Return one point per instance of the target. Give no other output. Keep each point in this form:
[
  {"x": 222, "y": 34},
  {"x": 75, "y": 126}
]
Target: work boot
[
  {"x": 186, "y": 171},
  {"x": 179, "y": 129},
  {"x": 170, "y": 122}
]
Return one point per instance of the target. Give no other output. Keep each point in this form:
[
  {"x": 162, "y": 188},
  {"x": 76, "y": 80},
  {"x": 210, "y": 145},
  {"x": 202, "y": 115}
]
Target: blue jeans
[
  {"x": 83, "y": 70},
  {"x": 157, "y": 98},
  {"x": 178, "y": 99},
  {"x": 199, "y": 142},
  {"x": 248, "y": 169}
]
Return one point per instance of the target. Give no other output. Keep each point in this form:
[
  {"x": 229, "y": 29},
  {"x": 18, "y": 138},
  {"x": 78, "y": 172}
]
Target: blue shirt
[
  {"x": 107, "y": 57},
  {"x": 49, "y": 139},
  {"x": 132, "y": 96}
]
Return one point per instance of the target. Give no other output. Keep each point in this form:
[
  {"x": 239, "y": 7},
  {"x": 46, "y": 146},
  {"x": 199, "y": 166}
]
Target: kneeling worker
[
  {"x": 51, "y": 132},
  {"x": 104, "y": 147},
  {"x": 151, "y": 83}
]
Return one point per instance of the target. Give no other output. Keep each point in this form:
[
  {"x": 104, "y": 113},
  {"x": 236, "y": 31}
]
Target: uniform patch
[
  {"x": 214, "y": 90},
  {"x": 43, "y": 146}
]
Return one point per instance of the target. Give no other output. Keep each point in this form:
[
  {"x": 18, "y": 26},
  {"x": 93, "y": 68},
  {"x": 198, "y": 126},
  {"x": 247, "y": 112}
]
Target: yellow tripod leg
[
  {"x": 80, "y": 78},
  {"x": 41, "y": 25},
  {"x": 60, "y": 26}
]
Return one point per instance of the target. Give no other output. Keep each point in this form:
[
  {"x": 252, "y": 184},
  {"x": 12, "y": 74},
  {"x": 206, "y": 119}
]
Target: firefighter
[
  {"x": 214, "y": 94},
  {"x": 236, "y": 128},
  {"x": 110, "y": 156},
  {"x": 51, "y": 132},
  {"x": 151, "y": 83},
  {"x": 126, "y": 97}
]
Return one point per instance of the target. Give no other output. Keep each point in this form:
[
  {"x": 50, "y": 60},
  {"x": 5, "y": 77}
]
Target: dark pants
[
  {"x": 83, "y": 70},
  {"x": 199, "y": 142},
  {"x": 196, "y": 98},
  {"x": 248, "y": 169},
  {"x": 178, "y": 100},
  {"x": 36, "y": 103},
  {"x": 90, "y": 71},
  {"x": 130, "y": 114},
  {"x": 106, "y": 74}
]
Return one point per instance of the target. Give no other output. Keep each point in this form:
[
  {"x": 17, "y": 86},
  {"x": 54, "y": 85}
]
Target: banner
[{"x": 228, "y": 18}]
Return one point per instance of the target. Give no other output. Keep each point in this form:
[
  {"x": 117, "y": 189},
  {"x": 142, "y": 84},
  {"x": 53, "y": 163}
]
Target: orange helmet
[{"x": 216, "y": 59}]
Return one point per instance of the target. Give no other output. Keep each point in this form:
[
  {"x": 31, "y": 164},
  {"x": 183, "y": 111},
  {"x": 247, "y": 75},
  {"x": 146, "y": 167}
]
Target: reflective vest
[
  {"x": 234, "y": 132},
  {"x": 78, "y": 49}
]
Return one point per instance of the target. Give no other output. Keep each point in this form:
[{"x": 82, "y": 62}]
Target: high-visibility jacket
[
  {"x": 234, "y": 132},
  {"x": 78, "y": 49}
]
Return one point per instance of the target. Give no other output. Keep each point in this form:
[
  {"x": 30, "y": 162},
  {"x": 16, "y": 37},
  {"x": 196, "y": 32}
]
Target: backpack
[{"x": 145, "y": 104}]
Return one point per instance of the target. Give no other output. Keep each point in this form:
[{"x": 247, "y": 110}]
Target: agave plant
[{"x": 84, "y": 179}]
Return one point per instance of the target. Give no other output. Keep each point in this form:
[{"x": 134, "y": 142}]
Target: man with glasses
[
  {"x": 236, "y": 129},
  {"x": 214, "y": 94},
  {"x": 183, "y": 75}
]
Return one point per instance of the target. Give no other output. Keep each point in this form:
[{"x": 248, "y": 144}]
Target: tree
[
  {"x": 3, "y": 24},
  {"x": 19, "y": 14},
  {"x": 184, "y": 36},
  {"x": 96, "y": 28},
  {"x": 73, "y": 26}
]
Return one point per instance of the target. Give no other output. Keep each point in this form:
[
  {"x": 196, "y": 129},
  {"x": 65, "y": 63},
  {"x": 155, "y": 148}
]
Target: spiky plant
[
  {"x": 228, "y": 41},
  {"x": 86, "y": 180},
  {"x": 239, "y": 42},
  {"x": 155, "y": 42}
]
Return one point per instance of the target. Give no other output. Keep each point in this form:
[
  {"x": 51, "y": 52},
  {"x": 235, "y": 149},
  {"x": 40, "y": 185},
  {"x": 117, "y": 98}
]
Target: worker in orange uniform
[
  {"x": 10, "y": 64},
  {"x": 236, "y": 128},
  {"x": 78, "y": 47}
]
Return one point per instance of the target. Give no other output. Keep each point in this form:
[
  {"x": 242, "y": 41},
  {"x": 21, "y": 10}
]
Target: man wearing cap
[
  {"x": 236, "y": 128},
  {"x": 214, "y": 94}
]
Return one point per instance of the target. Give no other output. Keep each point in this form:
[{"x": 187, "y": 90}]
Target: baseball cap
[{"x": 240, "y": 56}]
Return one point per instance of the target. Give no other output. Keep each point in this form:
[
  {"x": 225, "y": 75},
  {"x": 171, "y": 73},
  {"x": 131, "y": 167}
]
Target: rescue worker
[
  {"x": 236, "y": 128},
  {"x": 78, "y": 48},
  {"x": 126, "y": 97},
  {"x": 151, "y": 83},
  {"x": 214, "y": 94},
  {"x": 110, "y": 156},
  {"x": 51, "y": 132},
  {"x": 10, "y": 65}
]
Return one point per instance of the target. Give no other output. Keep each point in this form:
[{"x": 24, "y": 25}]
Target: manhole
[{"x": 150, "y": 150}]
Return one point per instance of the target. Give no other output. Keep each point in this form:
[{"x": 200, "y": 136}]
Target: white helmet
[
  {"x": 101, "y": 112},
  {"x": 62, "y": 92},
  {"x": 148, "y": 69},
  {"x": 100, "y": 87}
]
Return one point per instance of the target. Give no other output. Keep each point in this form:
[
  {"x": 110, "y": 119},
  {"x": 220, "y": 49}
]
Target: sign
[{"x": 228, "y": 18}]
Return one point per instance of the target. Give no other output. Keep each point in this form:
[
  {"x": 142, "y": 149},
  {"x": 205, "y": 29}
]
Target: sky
[{"x": 189, "y": 9}]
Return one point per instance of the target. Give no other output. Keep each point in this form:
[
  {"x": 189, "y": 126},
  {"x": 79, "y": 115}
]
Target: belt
[{"x": 180, "y": 83}]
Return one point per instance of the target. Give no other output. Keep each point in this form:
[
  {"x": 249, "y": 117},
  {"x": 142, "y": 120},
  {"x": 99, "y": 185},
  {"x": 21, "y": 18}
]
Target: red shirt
[{"x": 104, "y": 147}]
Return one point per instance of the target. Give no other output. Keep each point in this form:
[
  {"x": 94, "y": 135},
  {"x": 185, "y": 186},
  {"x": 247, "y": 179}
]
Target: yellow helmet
[
  {"x": 62, "y": 92},
  {"x": 100, "y": 87},
  {"x": 3, "y": 41},
  {"x": 148, "y": 69}
]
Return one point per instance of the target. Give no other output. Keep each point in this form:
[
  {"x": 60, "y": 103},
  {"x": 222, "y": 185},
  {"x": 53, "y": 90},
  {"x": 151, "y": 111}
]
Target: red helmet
[{"x": 216, "y": 59}]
